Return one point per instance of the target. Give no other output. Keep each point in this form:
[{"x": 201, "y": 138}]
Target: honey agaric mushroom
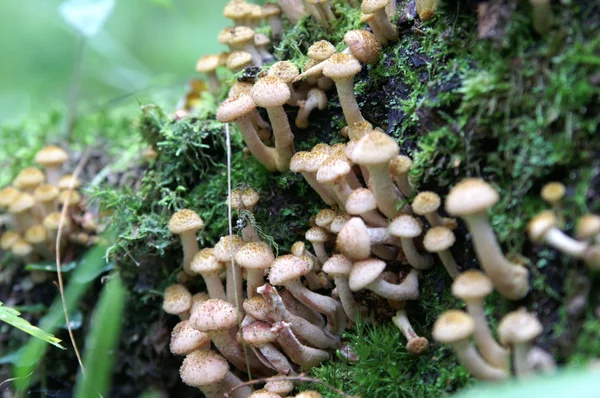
[
  {"x": 456, "y": 328},
  {"x": 208, "y": 65},
  {"x": 263, "y": 44},
  {"x": 321, "y": 50},
  {"x": 367, "y": 274},
  {"x": 300, "y": 163},
  {"x": 470, "y": 199},
  {"x": 238, "y": 61},
  {"x": 518, "y": 329},
  {"x": 416, "y": 344},
  {"x": 382, "y": 20},
  {"x": 52, "y": 223},
  {"x": 286, "y": 72},
  {"x": 29, "y": 179},
  {"x": 225, "y": 251},
  {"x": 37, "y": 236},
  {"x": 399, "y": 167},
  {"x": 259, "y": 335},
  {"x": 271, "y": 93},
  {"x": 264, "y": 393},
  {"x": 242, "y": 38},
  {"x": 45, "y": 195},
  {"x": 281, "y": 387},
  {"x": 293, "y": 10},
  {"x": 542, "y": 228},
  {"x": 68, "y": 181},
  {"x": 21, "y": 210},
  {"x": 313, "y": 334},
  {"x": 339, "y": 267},
  {"x": 553, "y": 193},
  {"x": 185, "y": 339},
  {"x": 7, "y": 196},
  {"x": 240, "y": 109},
  {"x": 473, "y": 287},
  {"x": 363, "y": 45},
  {"x": 317, "y": 237},
  {"x": 426, "y": 8},
  {"x": 186, "y": 223},
  {"x": 407, "y": 228},
  {"x": 324, "y": 10},
  {"x": 325, "y": 217},
  {"x": 439, "y": 240},
  {"x": 198, "y": 299},
  {"x": 542, "y": 15},
  {"x": 22, "y": 249},
  {"x": 209, "y": 371},
  {"x": 588, "y": 228},
  {"x": 353, "y": 240},
  {"x": 426, "y": 204},
  {"x": 206, "y": 264},
  {"x": 8, "y": 239},
  {"x": 374, "y": 151},
  {"x": 237, "y": 11},
  {"x": 334, "y": 173},
  {"x": 316, "y": 99},
  {"x": 306, "y": 357},
  {"x": 272, "y": 13},
  {"x": 361, "y": 202},
  {"x": 369, "y": 19},
  {"x": 245, "y": 199},
  {"x": 286, "y": 271},
  {"x": 52, "y": 158},
  {"x": 255, "y": 257},
  {"x": 301, "y": 310},
  {"x": 177, "y": 301}
]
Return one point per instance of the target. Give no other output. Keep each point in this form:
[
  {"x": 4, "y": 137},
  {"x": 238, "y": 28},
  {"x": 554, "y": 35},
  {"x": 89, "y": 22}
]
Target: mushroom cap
[
  {"x": 284, "y": 71},
  {"x": 375, "y": 148},
  {"x": 45, "y": 193},
  {"x": 65, "y": 182},
  {"x": 417, "y": 346},
  {"x": 238, "y": 60},
  {"x": 264, "y": 393},
  {"x": 236, "y": 10},
  {"x": 339, "y": 222},
  {"x": 261, "y": 40},
  {"x": 205, "y": 262},
  {"x": 519, "y": 327},
  {"x": 198, "y": 299},
  {"x": 208, "y": 63},
  {"x": 244, "y": 198},
  {"x": 69, "y": 197},
  {"x": 587, "y": 227},
  {"x": 400, "y": 165},
  {"x": 29, "y": 177},
  {"x": 372, "y": 6},
  {"x": 472, "y": 285},
  {"x": 438, "y": 239},
  {"x": 363, "y": 45},
  {"x": 360, "y": 201},
  {"x": 337, "y": 265},
  {"x": 241, "y": 36},
  {"x": 281, "y": 387},
  {"x": 298, "y": 249},
  {"x": 8, "y": 239},
  {"x": 258, "y": 334},
  {"x": 309, "y": 394},
  {"x": 364, "y": 272},
  {"x": 21, "y": 248},
  {"x": 185, "y": 220},
  {"x": 317, "y": 157},
  {"x": 225, "y": 36},
  {"x": 177, "y": 299},
  {"x": 22, "y": 203},
  {"x": 540, "y": 224},
  {"x": 453, "y": 326},
  {"x": 553, "y": 192},
  {"x": 332, "y": 170},
  {"x": 8, "y": 195},
  {"x": 321, "y": 50},
  {"x": 270, "y": 92},
  {"x": 288, "y": 268},
  {"x": 235, "y": 107},
  {"x": 270, "y": 10},
  {"x": 185, "y": 339},
  {"x": 426, "y": 202},
  {"x": 36, "y": 234},
  {"x": 213, "y": 316},
  {"x": 353, "y": 240},
  {"x": 405, "y": 226},
  {"x": 325, "y": 217},
  {"x": 227, "y": 246},
  {"x": 316, "y": 235},
  {"x": 341, "y": 66},
  {"x": 239, "y": 88},
  {"x": 471, "y": 196},
  {"x": 203, "y": 368},
  {"x": 51, "y": 155},
  {"x": 256, "y": 307},
  {"x": 255, "y": 255},
  {"x": 52, "y": 221},
  {"x": 299, "y": 161}
]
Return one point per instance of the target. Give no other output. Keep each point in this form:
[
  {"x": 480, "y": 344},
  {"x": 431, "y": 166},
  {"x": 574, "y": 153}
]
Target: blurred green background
[{"x": 146, "y": 50}]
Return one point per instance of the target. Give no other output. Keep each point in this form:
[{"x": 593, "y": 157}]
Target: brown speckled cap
[
  {"x": 203, "y": 368},
  {"x": 470, "y": 196},
  {"x": 185, "y": 220},
  {"x": 213, "y": 316}
]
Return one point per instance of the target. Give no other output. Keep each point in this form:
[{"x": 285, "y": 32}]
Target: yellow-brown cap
[
  {"x": 51, "y": 156},
  {"x": 29, "y": 178}
]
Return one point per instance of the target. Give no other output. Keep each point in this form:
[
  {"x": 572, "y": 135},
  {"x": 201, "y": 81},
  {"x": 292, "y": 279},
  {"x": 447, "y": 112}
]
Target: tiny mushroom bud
[
  {"x": 255, "y": 257},
  {"x": 439, "y": 240},
  {"x": 399, "y": 167},
  {"x": 52, "y": 158},
  {"x": 208, "y": 65},
  {"x": 367, "y": 274},
  {"x": 473, "y": 287},
  {"x": 185, "y": 339},
  {"x": 382, "y": 20},
  {"x": 363, "y": 45},
  {"x": 456, "y": 328},
  {"x": 177, "y": 301},
  {"x": 29, "y": 179},
  {"x": 426, "y": 204},
  {"x": 339, "y": 267},
  {"x": 518, "y": 329},
  {"x": 186, "y": 223},
  {"x": 206, "y": 264},
  {"x": 316, "y": 99},
  {"x": 416, "y": 344},
  {"x": 470, "y": 199},
  {"x": 407, "y": 228},
  {"x": 542, "y": 228},
  {"x": 553, "y": 193}
]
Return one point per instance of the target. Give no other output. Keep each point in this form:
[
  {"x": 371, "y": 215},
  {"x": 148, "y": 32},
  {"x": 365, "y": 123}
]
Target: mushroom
[
  {"x": 206, "y": 264},
  {"x": 361, "y": 202},
  {"x": 237, "y": 11},
  {"x": 29, "y": 179},
  {"x": 237, "y": 61},
  {"x": 186, "y": 223},
  {"x": 339, "y": 267},
  {"x": 367, "y": 274},
  {"x": 52, "y": 223},
  {"x": 242, "y": 38},
  {"x": 225, "y": 251},
  {"x": 52, "y": 158},
  {"x": 325, "y": 217},
  {"x": 245, "y": 199},
  {"x": 456, "y": 328},
  {"x": 7, "y": 196},
  {"x": 588, "y": 228},
  {"x": 426, "y": 8},
  {"x": 317, "y": 237},
  {"x": 259, "y": 335},
  {"x": 324, "y": 10},
  {"x": 177, "y": 301},
  {"x": 335, "y": 173},
  {"x": 272, "y": 12},
  {"x": 271, "y": 93},
  {"x": 255, "y": 257},
  {"x": 416, "y": 344},
  {"x": 353, "y": 240},
  {"x": 309, "y": 394},
  {"x": 316, "y": 99},
  {"x": 281, "y": 387},
  {"x": 370, "y": 20},
  {"x": 68, "y": 181},
  {"x": 208, "y": 65},
  {"x": 407, "y": 228},
  {"x": 286, "y": 72},
  {"x": 21, "y": 210},
  {"x": 399, "y": 167},
  {"x": 301, "y": 162},
  {"x": 426, "y": 204},
  {"x": 542, "y": 228},
  {"x": 185, "y": 339},
  {"x": 315, "y": 282},
  {"x": 37, "y": 237},
  {"x": 518, "y": 329},
  {"x": 470, "y": 199},
  {"x": 553, "y": 193},
  {"x": 306, "y": 357},
  {"x": 264, "y": 393},
  {"x": 263, "y": 43},
  {"x": 209, "y": 371},
  {"x": 542, "y": 15},
  {"x": 299, "y": 309},
  {"x": 473, "y": 287},
  {"x": 45, "y": 195},
  {"x": 439, "y": 240},
  {"x": 22, "y": 249},
  {"x": 293, "y": 10},
  {"x": 363, "y": 45},
  {"x": 382, "y": 20},
  {"x": 8, "y": 239}
]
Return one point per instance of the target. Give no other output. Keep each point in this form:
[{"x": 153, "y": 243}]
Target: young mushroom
[
  {"x": 225, "y": 251},
  {"x": 426, "y": 8},
  {"x": 518, "y": 329},
  {"x": 382, "y": 20},
  {"x": 407, "y": 228},
  {"x": 426, "y": 204},
  {"x": 280, "y": 387},
  {"x": 588, "y": 228},
  {"x": 439, "y": 240},
  {"x": 208, "y": 65},
  {"x": 245, "y": 198},
  {"x": 316, "y": 99},
  {"x": 304, "y": 163},
  {"x": 263, "y": 44},
  {"x": 177, "y": 301},
  {"x": 242, "y": 38},
  {"x": 416, "y": 344},
  {"x": 542, "y": 228},
  {"x": 553, "y": 193},
  {"x": 186, "y": 223},
  {"x": 206, "y": 264},
  {"x": 361, "y": 202},
  {"x": 338, "y": 267},
  {"x": 185, "y": 339},
  {"x": 272, "y": 13},
  {"x": 363, "y": 45},
  {"x": 456, "y": 328},
  {"x": 286, "y": 72},
  {"x": 237, "y": 61},
  {"x": 306, "y": 357},
  {"x": 260, "y": 336},
  {"x": 29, "y": 179},
  {"x": 399, "y": 167},
  {"x": 470, "y": 199},
  {"x": 256, "y": 258},
  {"x": 367, "y": 274},
  {"x": 52, "y": 158}
]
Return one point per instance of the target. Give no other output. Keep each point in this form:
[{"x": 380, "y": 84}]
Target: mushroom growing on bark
[
  {"x": 255, "y": 257},
  {"x": 439, "y": 240},
  {"x": 206, "y": 264},
  {"x": 186, "y": 223},
  {"x": 52, "y": 158},
  {"x": 177, "y": 301}
]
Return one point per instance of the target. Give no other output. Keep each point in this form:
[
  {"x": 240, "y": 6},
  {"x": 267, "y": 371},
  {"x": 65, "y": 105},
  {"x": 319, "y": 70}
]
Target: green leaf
[
  {"x": 50, "y": 266},
  {"x": 102, "y": 341},
  {"x": 12, "y": 317},
  {"x": 86, "y": 16}
]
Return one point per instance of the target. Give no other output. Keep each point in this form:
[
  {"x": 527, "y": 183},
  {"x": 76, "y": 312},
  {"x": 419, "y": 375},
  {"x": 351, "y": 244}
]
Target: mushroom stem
[
  {"x": 53, "y": 174},
  {"x": 232, "y": 288},
  {"x": 284, "y": 139},
  {"x": 293, "y": 10},
  {"x": 311, "y": 179},
  {"x": 214, "y": 286},
  {"x": 347, "y": 299},
  {"x": 350, "y": 108},
  {"x": 539, "y": 359},
  {"x": 297, "y": 308},
  {"x": 265, "y": 155},
  {"x": 564, "y": 243},
  {"x": 190, "y": 248},
  {"x": 493, "y": 352},
  {"x": 306, "y": 357},
  {"x": 407, "y": 290},
  {"x": 520, "y": 353},
  {"x": 449, "y": 263},
  {"x": 413, "y": 257},
  {"x": 386, "y": 194},
  {"x": 415, "y": 344},
  {"x": 542, "y": 15},
  {"x": 255, "y": 278},
  {"x": 468, "y": 357}
]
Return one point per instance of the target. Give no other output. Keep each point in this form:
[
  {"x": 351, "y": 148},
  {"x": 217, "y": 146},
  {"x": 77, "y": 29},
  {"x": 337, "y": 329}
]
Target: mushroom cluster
[{"x": 33, "y": 204}]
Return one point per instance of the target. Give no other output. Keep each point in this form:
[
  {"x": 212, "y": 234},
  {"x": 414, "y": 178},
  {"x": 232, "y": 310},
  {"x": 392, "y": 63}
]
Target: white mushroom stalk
[
  {"x": 416, "y": 344},
  {"x": 407, "y": 228},
  {"x": 382, "y": 20},
  {"x": 261, "y": 338},
  {"x": 542, "y": 228},
  {"x": 367, "y": 274},
  {"x": 292, "y": 9},
  {"x": 186, "y": 223},
  {"x": 299, "y": 164},
  {"x": 339, "y": 267},
  {"x": 518, "y": 329},
  {"x": 207, "y": 265},
  {"x": 306, "y": 357},
  {"x": 316, "y": 99}
]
